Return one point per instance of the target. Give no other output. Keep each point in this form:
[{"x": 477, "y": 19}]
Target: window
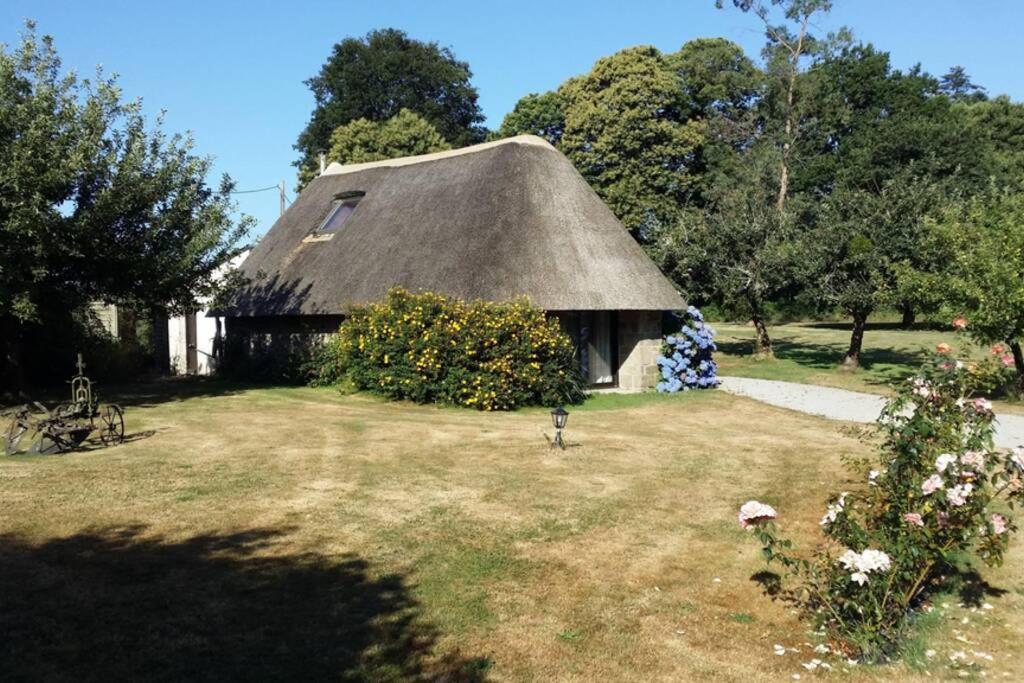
[{"x": 341, "y": 209}]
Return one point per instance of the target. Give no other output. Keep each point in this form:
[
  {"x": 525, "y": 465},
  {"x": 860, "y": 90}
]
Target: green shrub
[{"x": 428, "y": 348}]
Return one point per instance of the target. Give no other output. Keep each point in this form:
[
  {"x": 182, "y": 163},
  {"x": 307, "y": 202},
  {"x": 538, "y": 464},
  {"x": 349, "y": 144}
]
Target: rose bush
[{"x": 938, "y": 494}]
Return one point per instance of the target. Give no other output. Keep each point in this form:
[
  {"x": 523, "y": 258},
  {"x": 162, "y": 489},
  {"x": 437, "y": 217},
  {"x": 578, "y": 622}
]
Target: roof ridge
[{"x": 334, "y": 168}]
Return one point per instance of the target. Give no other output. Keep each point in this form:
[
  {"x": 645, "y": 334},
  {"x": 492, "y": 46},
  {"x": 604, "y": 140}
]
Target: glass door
[{"x": 597, "y": 337}]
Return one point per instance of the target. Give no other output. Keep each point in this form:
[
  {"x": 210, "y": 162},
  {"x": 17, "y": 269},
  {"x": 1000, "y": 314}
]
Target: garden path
[{"x": 841, "y": 404}]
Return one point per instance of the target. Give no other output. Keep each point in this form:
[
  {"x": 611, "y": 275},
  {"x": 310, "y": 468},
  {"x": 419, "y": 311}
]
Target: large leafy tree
[
  {"x": 981, "y": 242},
  {"x": 95, "y": 206},
  {"x": 627, "y": 133},
  {"x": 783, "y": 110},
  {"x": 536, "y": 114},
  {"x": 377, "y": 76},
  {"x": 886, "y": 149},
  {"x": 999, "y": 124}
]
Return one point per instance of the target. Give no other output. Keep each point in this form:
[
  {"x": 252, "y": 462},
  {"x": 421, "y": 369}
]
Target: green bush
[{"x": 428, "y": 348}]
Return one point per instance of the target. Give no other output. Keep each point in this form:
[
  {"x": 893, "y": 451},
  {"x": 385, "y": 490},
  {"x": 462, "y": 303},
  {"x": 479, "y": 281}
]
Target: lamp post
[{"x": 559, "y": 416}]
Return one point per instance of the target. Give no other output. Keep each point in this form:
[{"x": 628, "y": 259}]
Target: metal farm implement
[{"x": 35, "y": 429}]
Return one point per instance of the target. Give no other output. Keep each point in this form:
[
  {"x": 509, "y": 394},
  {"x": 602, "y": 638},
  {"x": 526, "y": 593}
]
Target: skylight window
[{"x": 339, "y": 214}]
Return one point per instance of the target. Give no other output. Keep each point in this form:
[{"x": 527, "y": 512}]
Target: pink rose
[
  {"x": 913, "y": 518},
  {"x": 753, "y": 513},
  {"x": 931, "y": 484},
  {"x": 998, "y": 349},
  {"x": 998, "y": 524},
  {"x": 1007, "y": 360},
  {"x": 973, "y": 459},
  {"x": 982, "y": 405},
  {"x": 959, "y": 323},
  {"x": 943, "y": 347}
]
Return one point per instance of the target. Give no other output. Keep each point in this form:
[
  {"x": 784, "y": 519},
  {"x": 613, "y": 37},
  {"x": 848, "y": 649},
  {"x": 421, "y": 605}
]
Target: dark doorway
[
  {"x": 191, "y": 351},
  {"x": 596, "y": 335}
]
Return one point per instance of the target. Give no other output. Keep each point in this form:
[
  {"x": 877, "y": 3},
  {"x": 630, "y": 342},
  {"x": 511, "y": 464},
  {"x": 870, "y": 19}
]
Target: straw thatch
[{"x": 495, "y": 221}]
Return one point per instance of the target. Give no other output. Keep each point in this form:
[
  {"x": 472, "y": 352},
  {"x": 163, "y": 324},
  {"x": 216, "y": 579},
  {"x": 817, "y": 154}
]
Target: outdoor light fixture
[{"x": 559, "y": 416}]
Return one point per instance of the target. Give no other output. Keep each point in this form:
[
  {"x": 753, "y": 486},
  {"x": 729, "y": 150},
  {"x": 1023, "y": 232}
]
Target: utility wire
[{"x": 262, "y": 189}]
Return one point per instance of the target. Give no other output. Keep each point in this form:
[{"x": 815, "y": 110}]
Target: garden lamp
[{"x": 559, "y": 416}]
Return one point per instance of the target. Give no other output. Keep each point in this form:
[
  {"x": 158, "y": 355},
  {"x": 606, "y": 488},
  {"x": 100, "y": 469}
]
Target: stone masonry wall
[{"x": 639, "y": 344}]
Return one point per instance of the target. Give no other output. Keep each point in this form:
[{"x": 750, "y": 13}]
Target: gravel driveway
[{"x": 840, "y": 404}]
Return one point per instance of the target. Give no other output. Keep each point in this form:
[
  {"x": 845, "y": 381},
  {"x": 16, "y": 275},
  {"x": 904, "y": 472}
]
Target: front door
[{"x": 191, "y": 351}]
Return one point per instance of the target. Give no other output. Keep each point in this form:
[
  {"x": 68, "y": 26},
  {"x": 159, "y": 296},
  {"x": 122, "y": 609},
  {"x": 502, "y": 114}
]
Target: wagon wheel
[{"x": 111, "y": 425}]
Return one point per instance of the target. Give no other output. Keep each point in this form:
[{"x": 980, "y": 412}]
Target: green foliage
[
  {"x": 431, "y": 349},
  {"x": 536, "y": 114},
  {"x": 405, "y": 134},
  {"x": 379, "y": 75},
  {"x": 937, "y": 494},
  {"x": 999, "y": 124},
  {"x": 626, "y": 132},
  {"x": 982, "y": 245},
  {"x": 93, "y": 204},
  {"x": 884, "y": 151}
]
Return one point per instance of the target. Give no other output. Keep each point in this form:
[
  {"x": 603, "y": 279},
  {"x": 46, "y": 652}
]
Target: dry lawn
[{"x": 299, "y": 534}]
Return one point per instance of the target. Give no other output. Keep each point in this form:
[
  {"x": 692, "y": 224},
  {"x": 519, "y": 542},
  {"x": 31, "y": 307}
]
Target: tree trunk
[
  {"x": 909, "y": 317},
  {"x": 762, "y": 342},
  {"x": 1018, "y": 362},
  {"x": 851, "y": 360}
]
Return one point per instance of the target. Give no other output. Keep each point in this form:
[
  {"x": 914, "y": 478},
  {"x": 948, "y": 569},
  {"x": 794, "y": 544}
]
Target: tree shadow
[
  {"x": 171, "y": 389},
  {"x": 887, "y": 365},
  {"x": 117, "y": 604}
]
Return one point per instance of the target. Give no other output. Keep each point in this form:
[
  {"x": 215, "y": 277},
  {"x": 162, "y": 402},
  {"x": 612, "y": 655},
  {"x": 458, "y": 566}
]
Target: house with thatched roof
[{"x": 495, "y": 221}]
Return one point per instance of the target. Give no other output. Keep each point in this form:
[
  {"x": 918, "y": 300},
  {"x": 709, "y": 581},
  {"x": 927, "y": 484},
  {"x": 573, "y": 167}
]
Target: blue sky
[{"x": 233, "y": 72}]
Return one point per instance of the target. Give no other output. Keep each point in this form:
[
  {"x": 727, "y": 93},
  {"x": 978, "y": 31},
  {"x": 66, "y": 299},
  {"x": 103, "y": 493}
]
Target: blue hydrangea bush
[{"x": 685, "y": 361}]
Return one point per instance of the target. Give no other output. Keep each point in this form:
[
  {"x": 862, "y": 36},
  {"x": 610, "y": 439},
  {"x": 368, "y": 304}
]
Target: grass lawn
[
  {"x": 810, "y": 353},
  {"x": 294, "y": 533}
]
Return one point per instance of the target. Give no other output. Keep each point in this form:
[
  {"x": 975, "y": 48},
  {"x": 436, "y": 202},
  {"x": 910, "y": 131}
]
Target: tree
[
  {"x": 739, "y": 250},
  {"x": 787, "y": 49},
  {"x": 627, "y": 135},
  {"x": 982, "y": 241},
  {"x": 405, "y": 134},
  {"x": 536, "y": 114},
  {"x": 722, "y": 88},
  {"x": 93, "y": 205},
  {"x": 885, "y": 149},
  {"x": 957, "y": 86},
  {"x": 999, "y": 124},
  {"x": 377, "y": 76}
]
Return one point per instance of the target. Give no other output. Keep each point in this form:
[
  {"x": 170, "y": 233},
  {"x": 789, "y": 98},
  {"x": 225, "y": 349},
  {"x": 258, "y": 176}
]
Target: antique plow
[{"x": 35, "y": 429}]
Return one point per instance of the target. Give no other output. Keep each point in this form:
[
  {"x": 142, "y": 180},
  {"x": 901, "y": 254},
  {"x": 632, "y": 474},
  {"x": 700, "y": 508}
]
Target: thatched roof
[{"x": 493, "y": 221}]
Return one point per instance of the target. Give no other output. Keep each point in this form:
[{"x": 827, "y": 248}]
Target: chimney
[{"x": 323, "y": 163}]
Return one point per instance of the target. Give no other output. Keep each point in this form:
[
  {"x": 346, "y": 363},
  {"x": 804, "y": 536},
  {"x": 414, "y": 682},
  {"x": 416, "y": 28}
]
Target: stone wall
[{"x": 639, "y": 345}]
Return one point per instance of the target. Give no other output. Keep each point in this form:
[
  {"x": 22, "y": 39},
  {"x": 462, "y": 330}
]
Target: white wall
[{"x": 206, "y": 331}]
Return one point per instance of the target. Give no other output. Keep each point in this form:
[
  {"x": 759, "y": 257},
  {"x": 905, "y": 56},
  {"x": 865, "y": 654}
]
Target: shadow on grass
[
  {"x": 887, "y": 365},
  {"x": 113, "y": 604}
]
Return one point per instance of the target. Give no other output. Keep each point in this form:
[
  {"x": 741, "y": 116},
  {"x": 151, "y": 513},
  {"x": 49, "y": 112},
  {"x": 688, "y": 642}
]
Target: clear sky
[{"x": 233, "y": 72}]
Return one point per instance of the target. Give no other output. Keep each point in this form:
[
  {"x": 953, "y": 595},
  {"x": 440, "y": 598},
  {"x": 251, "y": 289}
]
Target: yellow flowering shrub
[{"x": 428, "y": 348}]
